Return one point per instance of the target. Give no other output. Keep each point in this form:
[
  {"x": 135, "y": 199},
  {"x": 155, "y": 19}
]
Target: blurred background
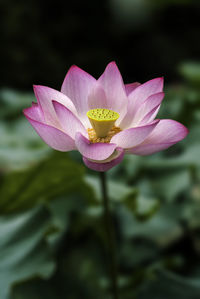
[{"x": 52, "y": 237}]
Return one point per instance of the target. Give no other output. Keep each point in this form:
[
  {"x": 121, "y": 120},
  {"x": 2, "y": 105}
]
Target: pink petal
[
  {"x": 147, "y": 107},
  {"x": 45, "y": 96},
  {"x": 133, "y": 136},
  {"x": 77, "y": 85},
  {"x": 112, "y": 83},
  {"x": 69, "y": 122},
  {"x": 94, "y": 151},
  {"x": 166, "y": 133},
  {"x": 130, "y": 87},
  {"x": 52, "y": 136},
  {"x": 142, "y": 92},
  {"x": 137, "y": 97},
  {"x": 35, "y": 112},
  {"x": 150, "y": 116},
  {"x": 106, "y": 164},
  {"x": 149, "y": 149},
  {"x": 97, "y": 97}
]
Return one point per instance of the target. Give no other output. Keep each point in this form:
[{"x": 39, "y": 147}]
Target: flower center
[
  {"x": 94, "y": 139},
  {"x": 102, "y": 121}
]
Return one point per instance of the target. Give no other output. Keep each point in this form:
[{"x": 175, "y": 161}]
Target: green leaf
[
  {"x": 146, "y": 207},
  {"x": 53, "y": 177},
  {"x": 163, "y": 228},
  {"x": 190, "y": 71},
  {"x": 20, "y": 146},
  {"x": 166, "y": 285},
  {"x": 171, "y": 183},
  {"x": 39, "y": 289},
  {"x": 23, "y": 250},
  {"x": 117, "y": 191},
  {"x": 13, "y": 102}
]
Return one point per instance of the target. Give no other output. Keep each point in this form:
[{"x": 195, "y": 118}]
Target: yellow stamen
[
  {"x": 102, "y": 120},
  {"x": 94, "y": 139}
]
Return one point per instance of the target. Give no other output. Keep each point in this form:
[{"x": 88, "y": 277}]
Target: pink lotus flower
[{"x": 103, "y": 119}]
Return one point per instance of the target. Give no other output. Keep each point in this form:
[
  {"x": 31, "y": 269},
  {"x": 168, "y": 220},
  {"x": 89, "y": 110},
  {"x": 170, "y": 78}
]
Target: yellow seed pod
[{"x": 102, "y": 120}]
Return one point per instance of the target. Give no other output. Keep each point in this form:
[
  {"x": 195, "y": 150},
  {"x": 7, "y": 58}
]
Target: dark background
[{"x": 40, "y": 40}]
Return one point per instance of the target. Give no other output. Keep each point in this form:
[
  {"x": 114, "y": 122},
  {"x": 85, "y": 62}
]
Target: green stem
[{"x": 110, "y": 237}]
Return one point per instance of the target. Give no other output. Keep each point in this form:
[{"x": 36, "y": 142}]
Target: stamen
[
  {"x": 94, "y": 139},
  {"x": 102, "y": 120}
]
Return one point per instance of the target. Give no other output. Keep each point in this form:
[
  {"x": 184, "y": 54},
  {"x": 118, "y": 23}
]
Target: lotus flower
[{"x": 103, "y": 119}]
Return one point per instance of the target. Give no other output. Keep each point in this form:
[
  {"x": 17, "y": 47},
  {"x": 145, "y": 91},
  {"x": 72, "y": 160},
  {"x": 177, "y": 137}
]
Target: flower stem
[{"x": 110, "y": 237}]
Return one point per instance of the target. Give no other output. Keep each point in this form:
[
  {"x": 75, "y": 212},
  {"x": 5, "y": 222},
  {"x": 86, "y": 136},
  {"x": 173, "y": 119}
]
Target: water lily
[{"x": 103, "y": 119}]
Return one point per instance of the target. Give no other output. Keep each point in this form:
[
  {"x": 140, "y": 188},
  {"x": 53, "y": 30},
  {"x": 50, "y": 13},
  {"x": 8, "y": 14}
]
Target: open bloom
[{"x": 103, "y": 119}]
